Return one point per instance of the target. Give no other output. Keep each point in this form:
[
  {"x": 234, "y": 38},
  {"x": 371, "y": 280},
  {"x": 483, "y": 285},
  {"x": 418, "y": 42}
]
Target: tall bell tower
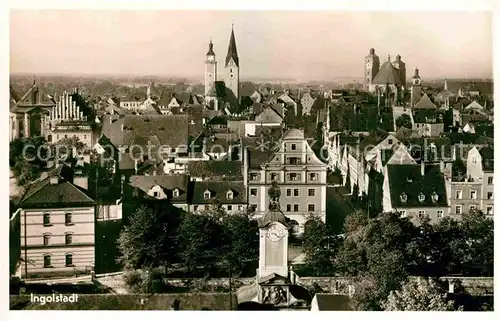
[
  {"x": 210, "y": 68},
  {"x": 372, "y": 66},
  {"x": 416, "y": 88},
  {"x": 232, "y": 66}
]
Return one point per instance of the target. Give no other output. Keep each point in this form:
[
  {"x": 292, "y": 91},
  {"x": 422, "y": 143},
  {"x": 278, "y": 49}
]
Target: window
[
  {"x": 489, "y": 210},
  {"x": 46, "y": 239},
  {"x": 295, "y": 207},
  {"x": 421, "y": 197},
  {"x": 473, "y": 195},
  {"x": 403, "y": 213},
  {"x": 288, "y": 207},
  {"x": 288, "y": 192},
  {"x": 390, "y": 141},
  {"x": 254, "y": 176},
  {"x": 490, "y": 180},
  {"x": 490, "y": 195},
  {"x": 176, "y": 193},
  {"x": 421, "y": 213},
  {"x": 458, "y": 195},
  {"x": 156, "y": 194},
  {"x": 474, "y": 160},
  {"x": 229, "y": 207},
  {"x": 253, "y": 192},
  {"x": 293, "y": 161},
  {"x": 68, "y": 238},
  {"x": 313, "y": 176},
  {"x": 46, "y": 219},
  {"x": 294, "y": 147},
  {"x": 404, "y": 198},
  {"x": 296, "y": 192},
  {"x": 229, "y": 195},
  {"x": 84, "y": 136},
  {"x": 310, "y": 207},
  {"x": 472, "y": 208},
  {"x": 311, "y": 192},
  {"x": 206, "y": 195},
  {"x": 458, "y": 209},
  {"x": 195, "y": 207},
  {"x": 440, "y": 214},
  {"x": 294, "y": 177},
  {"x": 274, "y": 176},
  {"x": 46, "y": 261},
  {"x": 435, "y": 197},
  {"x": 69, "y": 259},
  {"x": 253, "y": 207},
  {"x": 68, "y": 220}
]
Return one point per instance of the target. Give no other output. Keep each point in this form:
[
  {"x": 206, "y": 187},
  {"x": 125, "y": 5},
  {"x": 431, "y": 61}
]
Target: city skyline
[{"x": 271, "y": 44}]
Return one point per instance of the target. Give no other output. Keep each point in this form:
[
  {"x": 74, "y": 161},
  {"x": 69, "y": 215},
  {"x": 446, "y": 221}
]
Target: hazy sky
[{"x": 271, "y": 44}]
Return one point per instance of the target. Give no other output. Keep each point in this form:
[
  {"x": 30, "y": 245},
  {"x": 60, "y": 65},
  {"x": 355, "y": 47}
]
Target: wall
[{"x": 82, "y": 247}]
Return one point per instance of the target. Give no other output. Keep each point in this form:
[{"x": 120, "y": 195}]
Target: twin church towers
[{"x": 231, "y": 78}]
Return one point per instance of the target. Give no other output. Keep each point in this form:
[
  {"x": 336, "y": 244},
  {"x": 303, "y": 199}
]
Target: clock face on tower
[
  {"x": 274, "y": 234},
  {"x": 231, "y": 76}
]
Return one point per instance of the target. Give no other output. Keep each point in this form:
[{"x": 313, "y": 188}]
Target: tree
[
  {"x": 377, "y": 252},
  {"x": 418, "y": 294},
  {"x": 68, "y": 147},
  {"x": 354, "y": 221},
  {"x": 319, "y": 245},
  {"x": 241, "y": 240},
  {"x": 200, "y": 238},
  {"x": 404, "y": 121},
  {"x": 149, "y": 240},
  {"x": 27, "y": 158},
  {"x": 477, "y": 256}
]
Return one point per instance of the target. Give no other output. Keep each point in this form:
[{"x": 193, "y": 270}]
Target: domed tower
[
  {"x": 210, "y": 68},
  {"x": 372, "y": 66}
]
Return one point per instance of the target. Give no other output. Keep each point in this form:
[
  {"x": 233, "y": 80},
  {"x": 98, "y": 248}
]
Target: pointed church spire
[{"x": 231, "y": 50}]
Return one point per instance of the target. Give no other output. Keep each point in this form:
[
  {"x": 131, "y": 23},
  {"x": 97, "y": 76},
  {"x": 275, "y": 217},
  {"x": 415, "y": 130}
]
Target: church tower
[
  {"x": 210, "y": 68},
  {"x": 232, "y": 67},
  {"x": 372, "y": 66},
  {"x": 401, "y": 66},
  {"x": 416, "y": 89}
]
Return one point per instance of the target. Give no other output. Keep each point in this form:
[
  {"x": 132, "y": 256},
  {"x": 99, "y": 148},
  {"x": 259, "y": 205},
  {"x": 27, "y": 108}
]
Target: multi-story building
[
  {"x": 299, "y": 173},
  {"x": 415, "y": 191},
  {"x": 480, "y": 168},
  {"x": 57, "y": 220},
  {"x": 372, "y": 66}
]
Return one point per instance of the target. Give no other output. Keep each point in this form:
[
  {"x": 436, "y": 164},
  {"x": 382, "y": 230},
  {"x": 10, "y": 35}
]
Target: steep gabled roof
[
  {"x": 232, "y": 53},
  {"x": 388, "y": 74},
  {"x": 425, "y": 103}
]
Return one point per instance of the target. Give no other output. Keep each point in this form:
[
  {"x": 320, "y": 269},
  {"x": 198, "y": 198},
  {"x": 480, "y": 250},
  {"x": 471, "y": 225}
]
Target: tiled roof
[
  {"x": 388, "y": 74},
  {"x": 167, "y": 182},
  {"x": 35, "y": 96},
  {"x": 425, "y": 102},
  {"x": 43, "y": 194},
  {"x": 407, "y": 181},
  {"x": 171, "y": 130},
  {"x": 405, "y": 133},
  {"x": 230, "y": 170},
  {"x": 427, "y": 116},
  {"x": 218, "y": 190},
  {"x": 247, "y": 89},
  {"x": 218, "y": 90}
]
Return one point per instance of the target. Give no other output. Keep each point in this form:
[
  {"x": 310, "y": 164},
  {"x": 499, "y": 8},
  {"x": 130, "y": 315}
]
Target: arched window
[
  {"x": 68, "y": 237},
  {"x": 421, "y": 197}
]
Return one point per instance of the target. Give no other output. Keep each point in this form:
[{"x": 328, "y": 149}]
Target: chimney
[
  {"x": 81, "y": 181},
  {"x": 422, "y": 168}
]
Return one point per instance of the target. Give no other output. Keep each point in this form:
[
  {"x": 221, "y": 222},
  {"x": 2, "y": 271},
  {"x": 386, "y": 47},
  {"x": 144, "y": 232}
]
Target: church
[{"x": 222, "y": 94}]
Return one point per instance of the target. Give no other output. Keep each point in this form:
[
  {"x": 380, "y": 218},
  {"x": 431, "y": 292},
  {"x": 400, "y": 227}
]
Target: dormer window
[
  {"x": 175, "y": 193},
  {"x": 404, "y": 198},
  {"x": 207, "y": 195},
  {"x": 435, "y": 197},
  {"x": 421, "y": 197},
  {"x": 229, "y": 195}
]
